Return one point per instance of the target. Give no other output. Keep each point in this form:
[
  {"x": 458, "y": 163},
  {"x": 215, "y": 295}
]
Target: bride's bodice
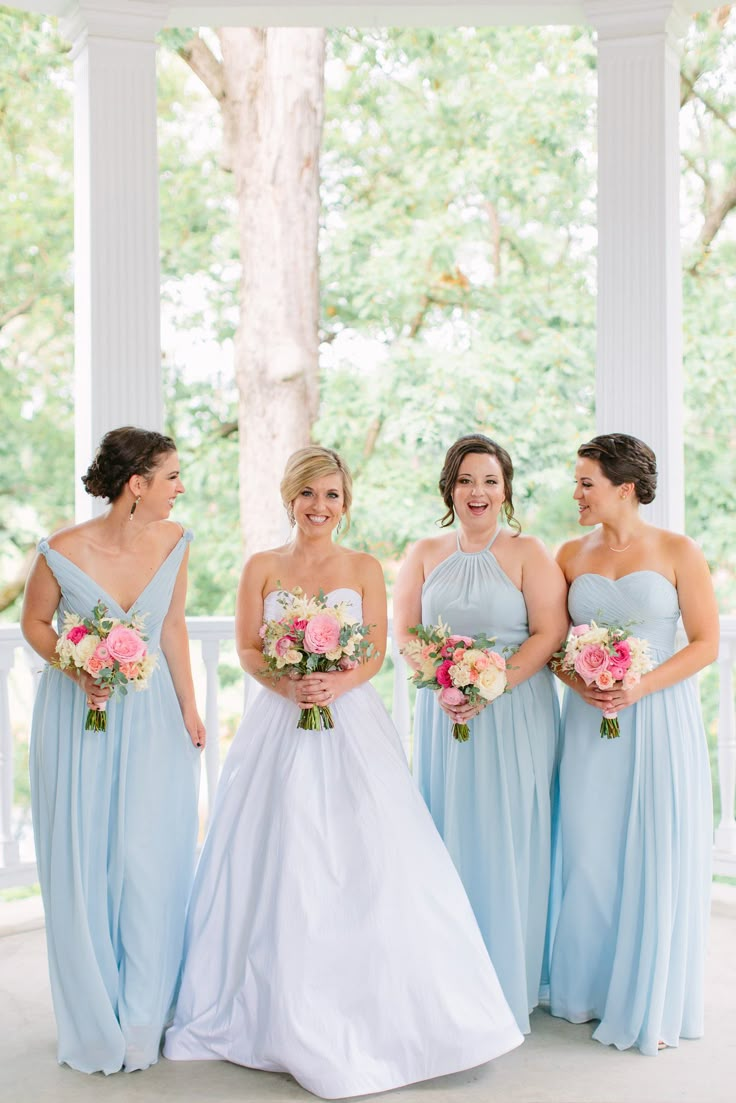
[{"x": 276, "y": 603}]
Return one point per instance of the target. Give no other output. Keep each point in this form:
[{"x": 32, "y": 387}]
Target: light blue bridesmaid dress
[
  {"x": 629, "y": 909},
  {"x": 490, "y": 797},
  {"x": 115, "y": 825}
]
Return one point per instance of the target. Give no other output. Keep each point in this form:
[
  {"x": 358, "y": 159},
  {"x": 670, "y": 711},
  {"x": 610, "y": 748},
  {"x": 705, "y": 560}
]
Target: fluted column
[
  {"x": 116, "y": 221},
  {"x": 639, "y": 360}
]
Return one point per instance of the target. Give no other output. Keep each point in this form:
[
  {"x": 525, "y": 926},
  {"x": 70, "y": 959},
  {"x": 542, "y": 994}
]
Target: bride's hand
[{"x": 319, "y": 689}]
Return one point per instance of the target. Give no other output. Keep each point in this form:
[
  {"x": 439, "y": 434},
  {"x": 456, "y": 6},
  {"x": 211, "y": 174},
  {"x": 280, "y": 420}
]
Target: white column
[
  {"x": 116, "y": 221},
  {"x": 639, "y": 361}
]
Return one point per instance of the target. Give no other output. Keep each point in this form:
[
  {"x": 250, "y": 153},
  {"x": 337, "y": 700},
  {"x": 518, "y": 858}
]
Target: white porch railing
[{"x": 19, "y": 666}]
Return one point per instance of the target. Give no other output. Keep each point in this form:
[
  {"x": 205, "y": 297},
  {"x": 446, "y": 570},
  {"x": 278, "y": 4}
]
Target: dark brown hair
[
  {"x": 476, "y": 443},
  {"x": 624, "y": 459},
  {"x": 121, "y": 454}
]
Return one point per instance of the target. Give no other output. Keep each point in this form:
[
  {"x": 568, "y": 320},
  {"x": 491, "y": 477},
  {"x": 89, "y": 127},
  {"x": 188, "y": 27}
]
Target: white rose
[
  {"x": 460, "y": 675},
  {"x": 85, "y": 649},
  {"x": 491, "y": 683}
]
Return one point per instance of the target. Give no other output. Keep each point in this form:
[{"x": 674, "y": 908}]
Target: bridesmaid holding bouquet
[
  {"x": 630, "y": 898},
  {"x": 490, "y": 796}
]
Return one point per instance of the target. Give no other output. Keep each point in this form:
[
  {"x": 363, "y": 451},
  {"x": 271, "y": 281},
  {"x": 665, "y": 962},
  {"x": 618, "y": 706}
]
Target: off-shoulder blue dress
[{"x": 115, "y": 826}]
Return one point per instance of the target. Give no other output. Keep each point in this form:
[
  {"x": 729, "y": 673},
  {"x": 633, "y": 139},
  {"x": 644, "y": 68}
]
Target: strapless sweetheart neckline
[{"x": 631, "y": 574}]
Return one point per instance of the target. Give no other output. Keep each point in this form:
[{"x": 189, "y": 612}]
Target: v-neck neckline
[{"x": 104, "y": 592}]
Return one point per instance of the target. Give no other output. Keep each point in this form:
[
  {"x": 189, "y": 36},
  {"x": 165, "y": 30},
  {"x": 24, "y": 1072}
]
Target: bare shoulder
[
  {"x": 166, "y": 534},
  {"x": 363, "y": 563},
  {"x": 527, "y": 546},
  {"x": 70, "y": 537},
  {"x": 680, "y": 550},
  {"x": 568, "y": 552},
  {"x": 431, "y": 550}
]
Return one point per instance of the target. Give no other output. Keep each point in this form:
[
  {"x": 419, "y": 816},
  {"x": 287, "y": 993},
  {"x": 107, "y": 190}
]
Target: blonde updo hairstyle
[{"x": 309, "y": 464}]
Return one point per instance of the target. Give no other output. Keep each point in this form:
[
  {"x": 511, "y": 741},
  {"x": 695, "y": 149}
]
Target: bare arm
[
  {"x": 175, "y": 646},
  {"x": 545, "y": 594},
  {"x": 40, "y": 602},
  {"x": 408, "y": 597}
]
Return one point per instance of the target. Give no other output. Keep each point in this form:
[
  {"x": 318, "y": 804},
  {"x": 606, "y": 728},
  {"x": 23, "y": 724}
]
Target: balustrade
[{"x": 19, "y": 666}]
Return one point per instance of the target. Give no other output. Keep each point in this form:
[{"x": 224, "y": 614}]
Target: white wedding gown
[{"x": 328, "y": 933}]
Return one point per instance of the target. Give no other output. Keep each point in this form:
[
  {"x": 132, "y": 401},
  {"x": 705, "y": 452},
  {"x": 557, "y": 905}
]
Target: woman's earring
[
  {"x": 339, "y": 527},
  {"x": 133, "y": 507},
  {"x": 290, "y": 515}
]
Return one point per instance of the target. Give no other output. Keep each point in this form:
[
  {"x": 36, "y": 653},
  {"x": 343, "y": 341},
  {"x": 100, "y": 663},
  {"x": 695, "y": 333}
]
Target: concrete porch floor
[{"x": 558, "y": 1063}]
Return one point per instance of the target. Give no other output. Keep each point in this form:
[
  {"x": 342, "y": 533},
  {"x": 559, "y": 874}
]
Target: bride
[{"x": 328, "y": 934}]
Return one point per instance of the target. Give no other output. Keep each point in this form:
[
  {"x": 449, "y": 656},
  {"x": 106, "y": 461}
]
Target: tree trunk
[{"x": 273, "y": 109}]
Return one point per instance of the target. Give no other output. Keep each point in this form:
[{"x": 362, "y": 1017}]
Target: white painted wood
[
  {"x": 639, "y": 360},
  {"x": 116, "y": 263}
]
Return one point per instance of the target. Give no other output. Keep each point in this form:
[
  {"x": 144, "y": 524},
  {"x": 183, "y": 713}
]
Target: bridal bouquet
[
  {"x": 113, "y": 651},
  {"x": 604, "y": 654},
  {"x": 312, "y": 637},
  {"x": 460, "y": 669}
]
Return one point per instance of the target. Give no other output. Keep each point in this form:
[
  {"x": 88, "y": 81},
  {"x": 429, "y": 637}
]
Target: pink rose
[
  {"x": 77, "y": 633},
  {"x": 461, "y": 639},
  {"x": 322, "y": 634},
  {"x": 631, "y": 679},
  {"x": 579, "y": 629},
  {"x": 458, "y": 654},
  {"x": 498, "y": 660},
  {"x": 130, "y": 670},
  {"x": 472, "y": 677},
  {"x": 442, "y": 674},
  {"x": 482, "y": 662},
  {"x": 300, "y": 624},
  {"x": 94, "y": 665},
  {"x": 125, "y": 645},
  {"x": 102, "y": 656},
  {"x": 590, "y": 662},
  {"x": 347, "y": 664},
  {"x": 605, "y": 680},
  {"x": 452, "y": 696},
  {"x": 283, "y": 645}
]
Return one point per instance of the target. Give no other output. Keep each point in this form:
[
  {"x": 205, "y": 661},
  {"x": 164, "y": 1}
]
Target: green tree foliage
[
  {"x": 457, "y": 263},
  {"x": 36, "y": 326}
]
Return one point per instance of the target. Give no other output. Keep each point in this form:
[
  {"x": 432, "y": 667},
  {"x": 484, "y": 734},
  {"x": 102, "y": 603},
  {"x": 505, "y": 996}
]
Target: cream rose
[{"x": 491, "y": 683}]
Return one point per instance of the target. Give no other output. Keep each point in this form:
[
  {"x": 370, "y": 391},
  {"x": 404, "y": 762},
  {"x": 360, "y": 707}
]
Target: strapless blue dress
[
  {"x": 490, "y": 797},
  {"x": 632, "y": 852}
]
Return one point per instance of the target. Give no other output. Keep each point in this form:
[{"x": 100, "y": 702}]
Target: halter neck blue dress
[
  {"x": 115, "y": 827},
  {"x": 490, "y": 797},
  {"x": 632, "y": 852}
]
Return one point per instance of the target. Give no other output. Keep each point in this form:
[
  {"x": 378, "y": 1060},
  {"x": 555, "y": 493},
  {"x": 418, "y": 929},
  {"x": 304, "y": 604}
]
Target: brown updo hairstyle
[
  {"x": 121, "y": 454},
  {"x": 306, "y": 465},
  {"x": 476, "y": 443},
  {"x": 624, "y": 459}
]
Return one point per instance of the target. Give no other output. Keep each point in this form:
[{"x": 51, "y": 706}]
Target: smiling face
[
  {"x": 162, "y": 488},
  {"x": 479, "y": 490},
  {"x": 319, "y": 506},
  {"x": 598, "y": 499}
]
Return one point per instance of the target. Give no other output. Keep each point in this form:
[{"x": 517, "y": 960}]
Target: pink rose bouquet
[
  {"x": 602, "y": 655},
  {"x": 313, "y": 636},
  {"x": 461, "y": 669},
  {"x": 114, "y": 652}
]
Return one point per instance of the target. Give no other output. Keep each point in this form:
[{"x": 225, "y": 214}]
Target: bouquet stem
[
  {"x": 315, "y": 718},
  {"x": 96, "y": 720},
  {"x": 609, "y": 726},
  {"x": 461, "y": 732}
]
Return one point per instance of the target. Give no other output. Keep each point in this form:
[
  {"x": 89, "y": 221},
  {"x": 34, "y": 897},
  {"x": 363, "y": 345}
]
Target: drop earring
[
  {"x": 290, "y": 515},
  {"x": 133, "y": 508},
  {"x": 339, "y": 527}
]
